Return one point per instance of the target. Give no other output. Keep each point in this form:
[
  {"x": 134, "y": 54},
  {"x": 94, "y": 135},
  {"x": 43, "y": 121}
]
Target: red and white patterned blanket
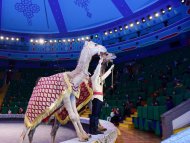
[{"x": 47, "y": 96}]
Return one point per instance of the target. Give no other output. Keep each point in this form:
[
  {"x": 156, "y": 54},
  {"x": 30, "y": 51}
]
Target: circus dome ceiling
[{"x": 64, "y": 17}]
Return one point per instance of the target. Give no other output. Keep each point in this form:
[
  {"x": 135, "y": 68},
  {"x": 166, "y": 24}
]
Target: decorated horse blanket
[{"x": 47, "y": 98}]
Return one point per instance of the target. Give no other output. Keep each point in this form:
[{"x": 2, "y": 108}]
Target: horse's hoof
[
  {"x": 89, "y": 135},
  {"x": 83, "y": 140}
]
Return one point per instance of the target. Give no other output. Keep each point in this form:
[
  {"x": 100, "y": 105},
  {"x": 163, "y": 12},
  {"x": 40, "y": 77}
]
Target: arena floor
[{"x": 10, "y": 132}]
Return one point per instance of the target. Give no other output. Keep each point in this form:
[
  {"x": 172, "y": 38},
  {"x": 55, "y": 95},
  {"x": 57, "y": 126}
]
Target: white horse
[{"x": 75, "y": 77}]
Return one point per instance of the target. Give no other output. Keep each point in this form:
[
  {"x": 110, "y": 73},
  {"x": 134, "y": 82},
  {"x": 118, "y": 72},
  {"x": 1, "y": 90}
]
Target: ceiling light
[
  {"x": 126, "y": 26},
  {"x": 69, "y": 40},
  {"x": 137, "y": 22},
  {"x": 182, "y": 1},
  {"x": 36, "y": 41},
  {"x": 96, "y": 36},
  {"x": 7, "y": 38},
  {"x": 31, "y": 40},
  {"x": 156, "y": 14},
  {"x": 78, "y": 39},
  {"x": 1, "y": 37},
  {"x": 82, "y": 38},
  {"x": 64, "y": 40},
  {"x": 143, "y": 20},
  {"x": 163, "y": 11},
  {"x": 41, "y": 41},
  {"x": 150, "y": 17},
  {"x": 169, "y": 8},
  {"x": 87, "y": 37},
  {"x": 110, "y": 32},
  {"x": 73, "y": 40},
  {"x": 50, "y": 41},
  {"x": 17, "y": 39},
  {"x": 55, "y": 41},
  {"x": 120, "y": 28},
  {"x": 105, "y": 33},
  {"x": 12, "y": 39},
  {"x": 131, "y": 25},
  {"x": 115, "y": 30}
]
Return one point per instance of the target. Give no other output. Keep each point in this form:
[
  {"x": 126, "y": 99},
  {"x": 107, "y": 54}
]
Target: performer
[{"x": 97, "y": 100}]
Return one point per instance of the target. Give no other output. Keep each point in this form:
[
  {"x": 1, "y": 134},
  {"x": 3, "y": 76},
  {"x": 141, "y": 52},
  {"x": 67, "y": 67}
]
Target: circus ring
[{"x": 11, "y": 127}]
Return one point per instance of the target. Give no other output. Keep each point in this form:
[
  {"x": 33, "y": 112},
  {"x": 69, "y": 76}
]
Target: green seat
[
  {"x": 145, "y": 112},
  {"x": 140, "y": 111},
  {"x": 136, "y": 124},
  {"x": 150, "y": 110}
]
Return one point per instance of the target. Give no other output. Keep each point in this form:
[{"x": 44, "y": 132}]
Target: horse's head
[
  {"x": 94, "y": 48},
  {"x": 108, "y": 57}
]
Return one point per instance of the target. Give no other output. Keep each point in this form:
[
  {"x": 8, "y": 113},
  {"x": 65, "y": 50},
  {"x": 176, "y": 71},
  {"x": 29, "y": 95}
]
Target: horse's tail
[{"x": 24, "y": 133}]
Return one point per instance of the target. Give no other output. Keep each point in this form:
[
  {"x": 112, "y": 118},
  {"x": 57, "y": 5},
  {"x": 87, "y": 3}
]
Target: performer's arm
[
  {"x": 107, "y": 73},
  {"x": 97, "y": 70}
]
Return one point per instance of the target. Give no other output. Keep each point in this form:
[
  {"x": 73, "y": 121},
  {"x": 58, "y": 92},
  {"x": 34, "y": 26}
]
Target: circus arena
[{"x": 94, "y": 71}]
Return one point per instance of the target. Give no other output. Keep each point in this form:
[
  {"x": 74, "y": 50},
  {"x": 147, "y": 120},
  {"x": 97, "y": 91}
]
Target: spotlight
[
  {"x": 143, "y": 20},
  {"x": 55, "y": 41},
  {"x": 82, "y": 38},
  {"x": 169, "y": 8},
  {"x": 50, "y": 41},
  {"x": 1, "y": 37},
  {"x": 120, "y": 28},
  {"x": 182, "y": 1},
  {"x": 115, "y": 30},
  {"x": 69, "y": 40},
  {"x": 64, "y": 40},
  {"x": 31, "y": 40},
  {"x": 87, "y": 38},
  {"x": 12, "y": 39},
  {"x": 96, "y": 36},
  {"x": 17, "y": 39},
  {"x": 110, "y": 32},
  {"x": 7, "y": 38},
  {"x": 126, "y": 26},
  {"x": 36, "y": 41},
  {"x": 156, "y": 14},
  {"x": 73, "y": 40},
  {"x": 105, "y": 33},
  {"x": 131, "y": 25},
  {"x": 41, "y": 41},
  {"x": 163, "y": 11},
  {"x": 78, "y": 39},
  {"x": 150, "y": 17},
  {"x": 137, "y": 22}
]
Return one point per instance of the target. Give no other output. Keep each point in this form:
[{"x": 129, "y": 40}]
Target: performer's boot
[
  {"x": 93, "y": 126},
  {"x": 96, "y": 126}
]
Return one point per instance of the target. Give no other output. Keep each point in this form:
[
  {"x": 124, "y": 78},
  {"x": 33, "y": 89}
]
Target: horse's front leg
[
  {"x": 73, "y": 103},
  {"x": 31, "y": 134},
  {"x": 73, "y": 117}
]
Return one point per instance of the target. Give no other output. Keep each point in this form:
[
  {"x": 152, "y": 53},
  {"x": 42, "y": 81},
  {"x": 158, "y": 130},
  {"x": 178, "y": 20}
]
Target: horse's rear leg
[
  {"x": 54, "y": 130},
  {"x": 30, "y": 135}
]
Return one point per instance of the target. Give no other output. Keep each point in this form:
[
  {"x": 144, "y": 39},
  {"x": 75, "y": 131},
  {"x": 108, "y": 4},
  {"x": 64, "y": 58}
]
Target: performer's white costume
[{"x": 97, "y": 99}]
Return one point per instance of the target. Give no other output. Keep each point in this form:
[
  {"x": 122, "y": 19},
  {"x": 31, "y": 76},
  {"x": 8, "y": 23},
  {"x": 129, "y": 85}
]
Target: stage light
[
  {"x": 50, "y": 41},
  {"x": 143, "y": 20},
  {"x": 12, "y": 39},
  {"x": 73, "y": 40},
  {"x": 78, "y": 39},
  {"x": 156, "y": 14},
  {"x": 169, "y": 8},
  {"x": 7, "y": 38},
  {"x": 150, "y": 17},
  {"x": 41, "y": 41},
  {"x": 55, "y": 41},
  {"x": 36, "y": 41},
  {"x": 31, "y": 40},
  {"x": 1, "y": 37},
  {"x": 137, "y": 22},
  {"x": 69, "y": 40},
  {"x": 82, "y": 38},
  {"x": 131, "y": 25},
  {"x": 120, "y": 28},
  {"x": 96, "y": 36},
  {"x": 126, "y": 26},
  {"x": 64, "y": 40},
  {"x": 182, "y": 1},
  {"x": 105, "y": 33},
  {"x": 87, "y": 37},
  {"x": 17, "y": 39},
  {"x": 110, "y": 32},
  {"x": 163, "y": 11},
  {"x": 115, "y": 30}
]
